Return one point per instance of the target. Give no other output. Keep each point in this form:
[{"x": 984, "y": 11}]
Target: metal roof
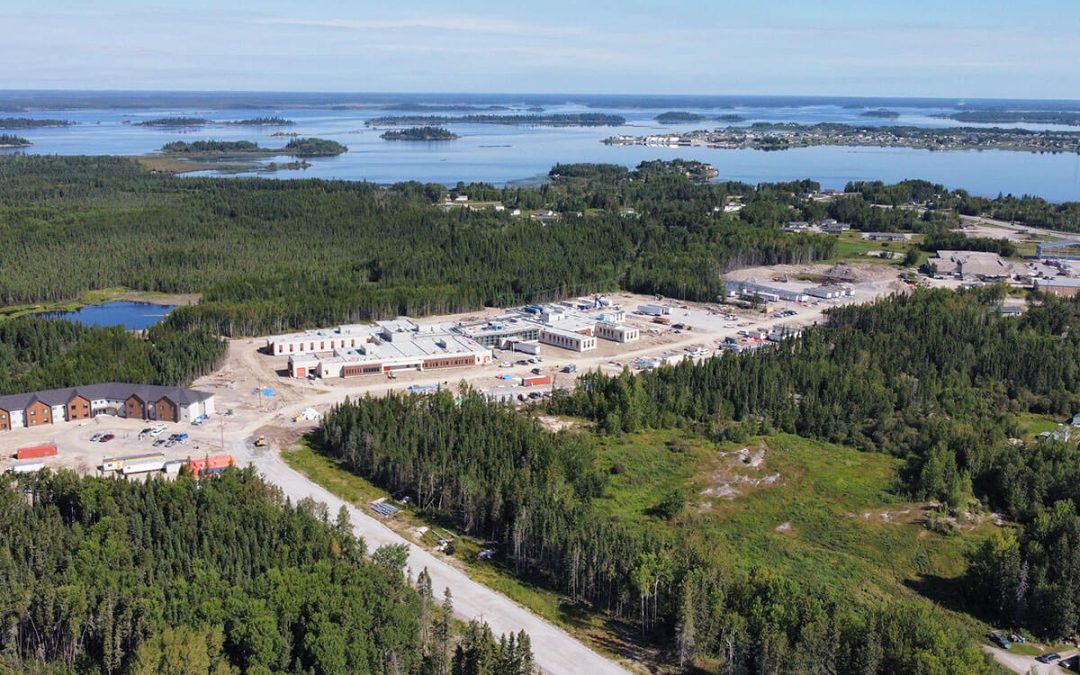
[{"x": 115, "y": 391}]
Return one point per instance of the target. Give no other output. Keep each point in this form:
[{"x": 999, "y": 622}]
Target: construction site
[{"x": 262, "y": 405}]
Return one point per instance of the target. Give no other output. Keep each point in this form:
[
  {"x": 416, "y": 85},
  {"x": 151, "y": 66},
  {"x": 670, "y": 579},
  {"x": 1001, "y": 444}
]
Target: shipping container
[
  {"x": 173, "y": 467},
  {"x": 210, "y": 465},
  {"x": 35, "y": 451},
  {"x": 535, "y": 380},
  {"x": 28, "y": 467}
]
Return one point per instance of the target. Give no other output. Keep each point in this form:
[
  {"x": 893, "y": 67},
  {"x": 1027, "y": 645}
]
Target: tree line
[
  {"x": 220, "y": 576},
  {"x": 38, "y": 354},
  {"x": 269, "y": 255},
  {"x": 497, "y": 474}
]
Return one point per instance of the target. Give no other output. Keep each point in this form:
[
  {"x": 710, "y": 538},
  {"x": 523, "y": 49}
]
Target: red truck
[{"x": 36, "y": 451}]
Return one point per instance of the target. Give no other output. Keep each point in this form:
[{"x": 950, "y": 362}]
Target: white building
[
  {"x": 616, "y": 332},
  {"x": 384, "y": 347},
  {"x": 567, "y": 339}
]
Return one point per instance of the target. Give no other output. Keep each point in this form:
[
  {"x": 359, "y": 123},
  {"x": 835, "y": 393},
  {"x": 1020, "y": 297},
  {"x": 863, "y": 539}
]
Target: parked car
[
  {"x": 536, "y": 371},
  {"x": 160, "y": 442},
  {"x": 107, "y": 437},
  {"x": 999, "y": 640},
  {"x": 1048, "y": 658},
  {"x": 96, "y": 437}
]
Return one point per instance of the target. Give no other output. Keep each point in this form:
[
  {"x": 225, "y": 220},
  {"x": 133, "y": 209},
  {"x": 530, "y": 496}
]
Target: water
[
  {"x": 505, "y": 154},
  {"x": 130, "y": 315}
]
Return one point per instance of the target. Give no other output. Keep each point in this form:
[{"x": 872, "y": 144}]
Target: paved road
[{"x": 556, "y": 652}]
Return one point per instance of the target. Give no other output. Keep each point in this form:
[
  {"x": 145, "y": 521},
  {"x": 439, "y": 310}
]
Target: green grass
[
  {"x": 830, "y": 500},
  {"x": 1031, "y": 424},
  {"x": 823, "y": 520},
  {"x": 851, "y": 246}
]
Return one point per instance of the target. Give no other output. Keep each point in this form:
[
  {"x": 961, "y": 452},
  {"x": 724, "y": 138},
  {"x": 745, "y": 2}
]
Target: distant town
[{"x": 784, "y": 136}]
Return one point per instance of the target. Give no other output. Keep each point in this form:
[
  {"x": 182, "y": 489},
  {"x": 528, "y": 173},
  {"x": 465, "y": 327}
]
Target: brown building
[
  {"x": 1060, "y": 286},
  {"x": 138, "y": 401}
]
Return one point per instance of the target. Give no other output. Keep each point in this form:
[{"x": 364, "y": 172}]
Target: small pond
[{"x": 130, "y": 315}]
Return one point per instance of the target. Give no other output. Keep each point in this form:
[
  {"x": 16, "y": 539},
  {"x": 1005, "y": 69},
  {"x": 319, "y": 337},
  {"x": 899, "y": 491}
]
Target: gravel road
[{"x": 556, "y": 652}]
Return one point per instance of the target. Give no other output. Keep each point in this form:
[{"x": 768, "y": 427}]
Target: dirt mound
[{"x": 739, "y": 470}]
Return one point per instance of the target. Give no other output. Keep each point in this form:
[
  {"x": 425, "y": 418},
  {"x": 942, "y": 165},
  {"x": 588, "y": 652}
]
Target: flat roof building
[{"x": 1060, "y": 286}]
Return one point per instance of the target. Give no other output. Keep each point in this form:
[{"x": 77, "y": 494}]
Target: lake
[
  {"x": 503, "y": 155},
  {"x": 130, "y": 315}
]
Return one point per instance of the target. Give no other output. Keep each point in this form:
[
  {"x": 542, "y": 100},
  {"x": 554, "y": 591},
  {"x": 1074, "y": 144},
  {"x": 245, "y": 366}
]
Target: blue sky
[{"x": 951, "y": 48}]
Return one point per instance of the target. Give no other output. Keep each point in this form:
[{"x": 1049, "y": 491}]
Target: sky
[{"x": 947, "y": 48}]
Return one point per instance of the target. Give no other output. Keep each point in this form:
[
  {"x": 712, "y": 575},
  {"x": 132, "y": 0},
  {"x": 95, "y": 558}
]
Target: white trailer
[
  {"x": 28, "y": 467},
  {"x": 526, "y": 347},
  {"x": 654, "y": 310}
]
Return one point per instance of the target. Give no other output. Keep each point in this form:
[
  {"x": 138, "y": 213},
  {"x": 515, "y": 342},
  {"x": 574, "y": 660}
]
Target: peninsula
[
  {"x": 1063, "y": 117},
  {"x": 784, "y": 136}
]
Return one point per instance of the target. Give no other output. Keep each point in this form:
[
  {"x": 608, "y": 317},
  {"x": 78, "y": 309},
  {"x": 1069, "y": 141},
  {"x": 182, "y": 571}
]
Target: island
[
  {"x": 174, "y": 122},
  {"x": 313, "y": 147},
  {"x": 420, "y": 134},
  {"x": 1063, "y": 117},
  {"x": 678, "y": 117},
  {"x": 787, "y": 135},
  {"x": 214, "y": 147},
  {"x": 9, "y": 141},
  {"x": 262, "y": 122},
  {"x": 300, "y": 147},
  {"x": 881, "y": 113},
  {"x": 731, "y": 117},
  {"x": 557, "y": 120},
  {"x": 28, "y": 123}
]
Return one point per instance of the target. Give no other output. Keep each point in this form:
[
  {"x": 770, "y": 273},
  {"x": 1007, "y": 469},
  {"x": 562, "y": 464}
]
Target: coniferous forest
[
  {"x": 937, "y": 379},
  {"x": 218, "y": 576}
]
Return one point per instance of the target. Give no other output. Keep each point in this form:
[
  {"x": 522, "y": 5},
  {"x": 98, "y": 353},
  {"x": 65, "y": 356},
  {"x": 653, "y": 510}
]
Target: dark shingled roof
[{"x": 117, "y": 391}]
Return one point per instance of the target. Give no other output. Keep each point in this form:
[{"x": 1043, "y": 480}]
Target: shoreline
[{"x": 101, "y": 297}]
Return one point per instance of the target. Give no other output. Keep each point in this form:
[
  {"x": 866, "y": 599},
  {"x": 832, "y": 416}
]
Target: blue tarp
[{"x": 267, "y": 391}]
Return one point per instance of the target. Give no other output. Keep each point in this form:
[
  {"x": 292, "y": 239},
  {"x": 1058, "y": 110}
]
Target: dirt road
[
  {"x": 556, "y": 652},
  {"x": 1024, "y": 664}
]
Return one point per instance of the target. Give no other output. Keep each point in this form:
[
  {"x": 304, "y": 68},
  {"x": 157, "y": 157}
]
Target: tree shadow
[{"x": 951, "y": 594}]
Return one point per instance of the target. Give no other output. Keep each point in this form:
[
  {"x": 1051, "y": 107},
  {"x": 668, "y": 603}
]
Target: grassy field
[
  {"x": 1031, "y": 424},
  {"x": 823, "y": 513},
  {"x": 851, "y": 246}
]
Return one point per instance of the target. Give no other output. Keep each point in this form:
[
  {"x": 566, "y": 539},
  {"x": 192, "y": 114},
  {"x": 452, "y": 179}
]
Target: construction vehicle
[{"x": 260, "y": 442}]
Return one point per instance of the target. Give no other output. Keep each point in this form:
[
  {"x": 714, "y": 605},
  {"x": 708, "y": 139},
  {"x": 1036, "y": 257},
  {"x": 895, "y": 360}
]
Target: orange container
[
  {"x": 35, "y": 451},
  {"x": 205, "y": 465}
]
